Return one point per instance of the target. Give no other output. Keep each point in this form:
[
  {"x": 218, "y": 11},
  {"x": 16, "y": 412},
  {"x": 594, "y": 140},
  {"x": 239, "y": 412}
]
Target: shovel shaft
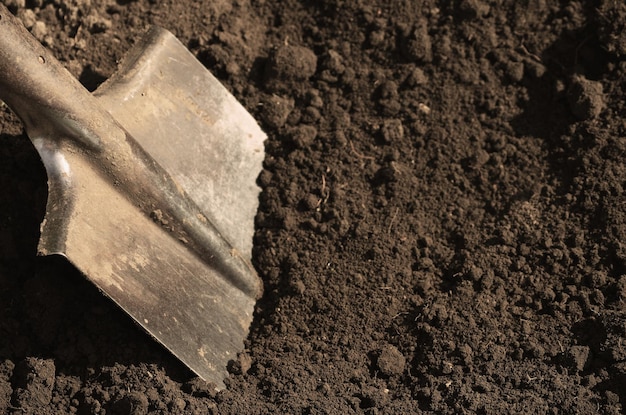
[
  {"x": 59, "y": 114},
  {"x": 48, "y": 99}
]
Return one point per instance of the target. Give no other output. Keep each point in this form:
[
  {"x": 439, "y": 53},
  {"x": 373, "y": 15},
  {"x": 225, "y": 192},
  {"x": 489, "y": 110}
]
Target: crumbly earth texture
[{"x": 442, "y": 225}]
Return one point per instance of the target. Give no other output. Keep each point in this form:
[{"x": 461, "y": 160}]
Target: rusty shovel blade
[{"x": 151, "y": 188}]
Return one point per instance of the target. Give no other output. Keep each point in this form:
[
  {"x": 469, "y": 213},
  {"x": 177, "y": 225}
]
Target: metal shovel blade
[{"x": 152, "y": 192}]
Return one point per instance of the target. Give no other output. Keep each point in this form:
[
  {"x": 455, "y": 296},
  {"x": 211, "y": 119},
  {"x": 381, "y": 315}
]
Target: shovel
[{"x": 151, "y": 188}]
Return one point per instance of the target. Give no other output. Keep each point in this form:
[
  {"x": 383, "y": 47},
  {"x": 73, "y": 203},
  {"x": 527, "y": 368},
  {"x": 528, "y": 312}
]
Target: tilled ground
[{"x": 441, "y": 227}]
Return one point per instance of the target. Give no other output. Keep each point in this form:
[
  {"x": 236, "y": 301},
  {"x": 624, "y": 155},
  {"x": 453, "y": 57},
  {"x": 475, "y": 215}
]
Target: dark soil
[{"x": 442, "y": 225}]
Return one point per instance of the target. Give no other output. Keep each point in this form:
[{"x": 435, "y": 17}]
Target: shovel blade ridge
[{"x": 194, "y": 128}]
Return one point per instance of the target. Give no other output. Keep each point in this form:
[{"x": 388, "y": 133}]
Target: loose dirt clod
[
  {"x": 391, "y": 361},
  {"x": 34, "y": 381},
  {"x": 289, "y": 64},
  {"x": 586, "y": 98}
]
